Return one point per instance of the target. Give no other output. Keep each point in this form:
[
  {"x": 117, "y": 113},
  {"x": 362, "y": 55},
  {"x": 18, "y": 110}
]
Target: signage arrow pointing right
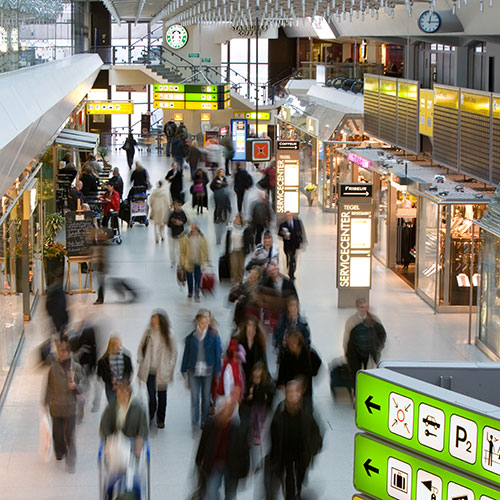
[
  {"x": 369, "y": 468},
  {"x": 370, "y": 405}
]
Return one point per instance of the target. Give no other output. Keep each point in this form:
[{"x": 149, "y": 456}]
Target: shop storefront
[
  {"x": 321, "y": 128},
  {"x": 488, "y": 318}
]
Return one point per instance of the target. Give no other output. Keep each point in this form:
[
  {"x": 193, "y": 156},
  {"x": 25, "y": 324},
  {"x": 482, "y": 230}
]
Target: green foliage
[{"x": 53, "y": 224}]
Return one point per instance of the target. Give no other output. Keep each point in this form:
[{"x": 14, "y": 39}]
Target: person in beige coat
[
  {"x": 193, "y": 256},
  {"x": 157, "y": 355},
  {"x": 159, "y": 205}
]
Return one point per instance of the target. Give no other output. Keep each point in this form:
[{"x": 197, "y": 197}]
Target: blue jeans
[
  {"x": 215, "y": 480},
  {"x": 196, "y": 274},
  {"x": 199, "y": 386},
  {"x": 169, "y": 145}
]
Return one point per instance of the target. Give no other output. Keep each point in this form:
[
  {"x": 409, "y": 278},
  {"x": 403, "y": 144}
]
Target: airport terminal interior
[{"x": 249, "y": 249}]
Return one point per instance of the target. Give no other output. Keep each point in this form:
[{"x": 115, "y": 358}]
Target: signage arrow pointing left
[
  {"x": 370, "y": 405},
  {"x": 369, "y": 468}
]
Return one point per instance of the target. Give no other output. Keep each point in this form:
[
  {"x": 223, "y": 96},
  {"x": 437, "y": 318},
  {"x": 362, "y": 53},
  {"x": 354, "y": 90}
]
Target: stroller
[{"x": 135, "y": 208}]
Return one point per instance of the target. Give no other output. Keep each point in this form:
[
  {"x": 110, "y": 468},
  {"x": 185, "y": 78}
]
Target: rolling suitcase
[
  {"x": 340, "y": 376},
  {"x": 224, "y": 268},
  {"x": 207, "y": 281}
]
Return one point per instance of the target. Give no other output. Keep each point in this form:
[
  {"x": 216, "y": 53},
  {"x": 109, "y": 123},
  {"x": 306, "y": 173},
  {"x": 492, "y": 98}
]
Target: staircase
[{"x": 164, "y": 72}]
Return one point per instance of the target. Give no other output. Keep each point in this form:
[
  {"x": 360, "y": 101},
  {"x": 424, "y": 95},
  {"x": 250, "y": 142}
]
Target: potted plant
[
  {"x": 103, "y": 151},
  {"x": 53, "y": 253},
  {"x": 310, "y": 190}
]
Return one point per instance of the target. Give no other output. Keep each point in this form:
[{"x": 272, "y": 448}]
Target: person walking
[
  {"x": 292, "y": 319},
  {"x": 61, "y": 400},
  {"x": 260, "y": 216},
  {"x": 129, "y": 147},
  {"x": 157, "y": 355},
  {"x": 193, "y": 157},
  {"x": 176, "y": 222},
  {"x": 270, "y": 176},
  {"x": 193, "y": 256},
  {"x": 182, "y": 132},
  {"x": 228, "y": 152},
  {"x": 159, "y": 210},
  {"x": 253, "y": 341},
  {"x": 169, "y": 129},
  {"x": 179, "y": 151},
  {"x": 364, "y": 338},
  {"x": 175, "y": 178},
  {"x": 223, "y": 452},
  {"x": 219, "y": 181},
  {"x": 242, "y": 182},
  {"x": 57, "y": 307},
  {"x": 222, "y": 212},
  {"x": 240, "y": 244},
  {"x": 201, "y": 363},
  {"x": 291, "y": 230},
  {"x": 115, "y": 365},
  {"x": 140, "y": 176},
  {"x": 295, "y": 441},
  {"x": 199, "y": 190}
]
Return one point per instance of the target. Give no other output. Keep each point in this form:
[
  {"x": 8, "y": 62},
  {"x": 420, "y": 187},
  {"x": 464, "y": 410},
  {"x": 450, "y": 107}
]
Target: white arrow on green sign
[
  {"x": 387, "y": 473},
  {"x": 454, "y": 429}
]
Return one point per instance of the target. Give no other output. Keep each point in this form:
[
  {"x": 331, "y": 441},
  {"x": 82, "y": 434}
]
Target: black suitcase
[
  {"x": 340, "y": 376},
  {"x": 224, "y": 268}
]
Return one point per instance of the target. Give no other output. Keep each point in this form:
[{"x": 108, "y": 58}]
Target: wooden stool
[{"x": 79, "y": 260}]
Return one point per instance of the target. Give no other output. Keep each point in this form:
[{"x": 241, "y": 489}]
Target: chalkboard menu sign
[{"x": 77, "y": 226}]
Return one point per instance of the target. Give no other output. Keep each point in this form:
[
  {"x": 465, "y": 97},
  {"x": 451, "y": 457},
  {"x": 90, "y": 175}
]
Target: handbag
[
  {"x": 45, "y": 444},
  {"x": 181, "y": 275}
]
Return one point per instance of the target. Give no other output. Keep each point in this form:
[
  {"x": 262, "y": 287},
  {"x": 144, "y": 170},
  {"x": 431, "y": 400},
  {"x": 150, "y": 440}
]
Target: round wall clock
[
  {"x": 429, "y": 21},
  {"x": 176, "y": 36}
]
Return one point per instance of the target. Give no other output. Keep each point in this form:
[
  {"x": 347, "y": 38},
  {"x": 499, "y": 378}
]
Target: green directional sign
[
  {"x": 193, "y": 55},
  {"x": 388, "y": 473},
  {"x": 454, "y": 429},
  {"x": 168, "y": 87},
  {"x": 206, "y": 59},
  {"x": 201, "y": 97}
]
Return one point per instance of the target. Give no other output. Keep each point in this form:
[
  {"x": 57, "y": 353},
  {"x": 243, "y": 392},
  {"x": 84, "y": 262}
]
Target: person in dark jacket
[
  {"x": 170, "y": 128},
  {"x": 129, "y": 147},
  {"x": 69, "y": 170},
  {"x": 115, "y": 365},
  {"x": 90, "y": 183},
  {"x": 193, "y": 157},
  {"x": 181, "y": 132},
  {"x": 295, "y": 441},
  {"x": 292, "y": 319},
  {"x": 253, "y": 341},
  {"x": 292, "y": 232},
  {"x": 176, "y": 222},
  {"x": 219, "y": 181},
  {"x": 261, "y": 217},
  {"x": 56, "y": 306},
  {"x": 179, "y": 151},
  {"x": 199, "y": 190},
  {"x": 247, "y": 297},
  {"x": 117, "y": 182},
  {"x": 174, "y": 176},
  {"x": 75, "y": 194},
  {"x": 201, "y": 362},
  {"x": 140, "y": 176},
  {"x": 222, "y": 212},
  {"x": 242, "y": 182},
  {"x": 223, "y": 452}
]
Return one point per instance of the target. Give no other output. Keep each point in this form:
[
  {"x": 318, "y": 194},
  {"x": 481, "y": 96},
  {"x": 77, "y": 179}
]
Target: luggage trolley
[
  {"x": 134, "y": 484},
  {"x": 139, "y": 209}
]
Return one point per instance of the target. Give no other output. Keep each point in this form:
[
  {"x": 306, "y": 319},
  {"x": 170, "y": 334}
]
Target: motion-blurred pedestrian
[
  {"x": 201, "y": 362},
  {"x": 56, "y": 306},
  {"x": 175, "y": 178},
  {"x": 222, "y": 212},
  {"x": 199, "y": 190},
  {"x": 159, "y": 204},
  {"x": 140, "y": 177},
  {"x": 176, "y": 222},
  {"x": 129, "y": 146},
  {"x": 261, "y": 216},
  {"x": 253, "y": 341},
  {"x": 169, "y": 129},
  {"x": 240, "y": 244},
  {"x": 242, "y": 182},
  {"x": 292, "y": 232},
  {"x": 157, "y": 355}
]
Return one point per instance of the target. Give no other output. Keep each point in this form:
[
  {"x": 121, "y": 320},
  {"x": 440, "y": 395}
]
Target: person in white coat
[
  {"x": 157, "y": 355},
  {"x": 159, "y": 209}
]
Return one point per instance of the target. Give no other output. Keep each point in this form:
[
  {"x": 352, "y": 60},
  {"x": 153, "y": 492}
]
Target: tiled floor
[{"x": 414, "y": 333}]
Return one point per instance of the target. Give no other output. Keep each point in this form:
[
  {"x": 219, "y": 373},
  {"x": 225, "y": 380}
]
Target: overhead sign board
[
  {"x": 456, "y": 430},
  {"x": 426, "y": 112},
  {"x": 192, "y": 96},
  {"x": 259, "y": 150},
  {"x": 389, "y": 473},
  {"x": 353, "y": 190},
  {"x": 287, "y": 177},
  {"x": 264, "y": 116},
  {"x": 110, "y": 108}
]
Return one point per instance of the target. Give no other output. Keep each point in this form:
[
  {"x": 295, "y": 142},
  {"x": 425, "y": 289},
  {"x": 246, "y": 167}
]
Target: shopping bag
[
  {"x": 181, "y": 275},
  {"x": 45, "y": 445},
  {"x": 118, "y": 452}
]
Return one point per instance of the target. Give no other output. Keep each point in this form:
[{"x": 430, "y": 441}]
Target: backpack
[{"x": 170, "y": 129}]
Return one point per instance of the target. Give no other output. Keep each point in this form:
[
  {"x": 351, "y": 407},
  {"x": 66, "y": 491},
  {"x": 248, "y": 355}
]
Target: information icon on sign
[
  {"x": 491, "y": 450},
  {"x": 457, "y": 492},
  {"x": 463, "y": 439},
  {"x": 399, "y": 476},
  {"x": 431, "y": 422},
  {"x": 401, "y": 415},
  {"x": 429, "y": 486}
]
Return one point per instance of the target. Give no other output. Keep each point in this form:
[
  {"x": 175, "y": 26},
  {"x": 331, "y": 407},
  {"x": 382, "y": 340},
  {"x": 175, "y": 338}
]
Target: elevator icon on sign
[{"x": 401, "y": 411}]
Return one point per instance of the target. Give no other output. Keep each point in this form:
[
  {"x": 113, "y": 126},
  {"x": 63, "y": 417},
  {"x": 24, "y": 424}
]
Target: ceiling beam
[
  {"x": 112, "y": 10},
  {"x": 139, "y": 11}
]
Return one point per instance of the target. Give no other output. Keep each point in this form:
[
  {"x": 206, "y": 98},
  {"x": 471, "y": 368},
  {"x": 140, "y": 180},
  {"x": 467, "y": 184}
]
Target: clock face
[
  {"x": 429, "y": 21},
  {"x": 176, "y": 36}
]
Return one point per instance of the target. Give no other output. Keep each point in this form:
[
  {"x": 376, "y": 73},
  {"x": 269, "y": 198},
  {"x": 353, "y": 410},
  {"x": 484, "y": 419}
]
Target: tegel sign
[
  {"x": 456, "y": 430},
  {"x": 389, "y": 473},
  {"x": 352, "y": 190}
]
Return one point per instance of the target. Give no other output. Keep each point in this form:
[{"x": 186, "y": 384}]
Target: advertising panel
[
  {"x": 239, "y": 137},
  {"x": 287, "y": 177}
]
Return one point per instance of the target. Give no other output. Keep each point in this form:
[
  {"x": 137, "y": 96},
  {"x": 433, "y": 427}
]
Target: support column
[{"x": 461, "y": 66}]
